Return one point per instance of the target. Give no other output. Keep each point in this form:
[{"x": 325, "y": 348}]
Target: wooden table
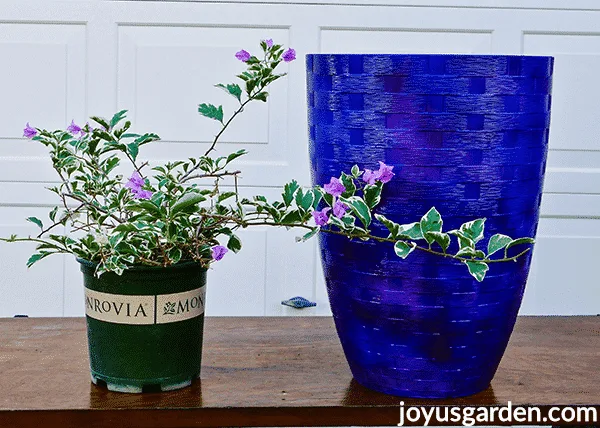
[{"x": 271, "y": 372}]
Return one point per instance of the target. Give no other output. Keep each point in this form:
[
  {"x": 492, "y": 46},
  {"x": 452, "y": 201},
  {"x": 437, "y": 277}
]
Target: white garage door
[{"x": 63, "y": 60}]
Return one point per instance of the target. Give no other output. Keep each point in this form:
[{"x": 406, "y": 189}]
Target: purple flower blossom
[
  {"x": 243, "y": 55},
  {"x": 369, "y": 176},
  {"x": 289, "y": 55},
  {"x": 385, "y": 173},
  {"x": 218, "y": 252},
  {"x": 136, "y": 181},
  {"x": 334, "y": 187},
  {"x": 74, "y": 129},
  {"x": 320, "y": 217},
  {"x": 142, "y": 194},
  {"x": 135, "y": 184},
  {"x": 339, "y": 209},
  {"x": 29, "y": 131},
  {"x": 269, "y": 43}
]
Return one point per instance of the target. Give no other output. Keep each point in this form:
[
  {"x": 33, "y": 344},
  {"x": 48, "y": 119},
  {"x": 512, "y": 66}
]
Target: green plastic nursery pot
[{"x": 145, "y": 327}]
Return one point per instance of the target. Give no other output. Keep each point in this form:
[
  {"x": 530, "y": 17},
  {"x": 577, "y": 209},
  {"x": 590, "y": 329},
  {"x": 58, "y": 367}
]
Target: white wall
[{"x": 63, "y": 60}]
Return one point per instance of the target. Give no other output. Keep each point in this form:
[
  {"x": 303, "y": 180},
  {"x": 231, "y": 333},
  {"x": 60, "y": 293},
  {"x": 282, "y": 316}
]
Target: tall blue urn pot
[{"x": 467, "y": 134}]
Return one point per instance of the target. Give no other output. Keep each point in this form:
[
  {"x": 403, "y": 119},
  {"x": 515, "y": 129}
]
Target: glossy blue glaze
[{"x": 467, "y": 134}]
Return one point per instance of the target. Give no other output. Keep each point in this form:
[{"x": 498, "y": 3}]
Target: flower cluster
[
  {"x": 245, "y": 56},
  {"x": 336, "y": 188},
  {"x": 135, "y": 185},
  {"x": 160, "y": 217}
]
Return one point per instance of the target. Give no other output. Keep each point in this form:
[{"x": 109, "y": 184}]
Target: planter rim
[
  {"x": 143, "y": 268},
  {"x": 472, "y": 55}
]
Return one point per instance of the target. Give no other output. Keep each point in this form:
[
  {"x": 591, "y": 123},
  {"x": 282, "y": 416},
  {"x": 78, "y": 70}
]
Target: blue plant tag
[{"x": 298, "y": 302}]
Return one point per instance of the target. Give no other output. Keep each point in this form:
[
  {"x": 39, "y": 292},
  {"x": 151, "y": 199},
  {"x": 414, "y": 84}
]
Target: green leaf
[
  {"x": 519, "y": 241},
  {"x": 389, "y": 224},
  {"x": 133, "y": 150},
  {"x": 146, "y": 205},
  {"x": 175, "y": 254},
  {"x": 235, "y": 155},
  {"x": 288, "y": 192},
  {"x": 443, "y": 239},
  {"x": 101, "y": 121},
  {"x": 130, "y": 135},
  {"x": 291, "y": 217},
  {"x": 211, "y": 111},
  {"x": 410, "y": 231},
  {"x": 338, "y": 222},
  {"x": 470, "y": 252},
  {"x": 372, "y": 194},
  {"x": 37, "y": 221},
  {"x": 309, "y": 235},
  {"x": 234, "y": 243},
  {"x": 233, "y": 89},
  {"x": 52, "y": 214},
  {"x": 431, "y": 222},
  {"x": 117, "y": 118},
  {"x": 146, "y": 138},
  {"x": 261, "y": 96},
  {"x": 111, "y": 163},
  {"x": 360, "y": 208},
  {"x": 36, "y": 258},
  {"x": 126, "y": 227},
  {"x": 348, "y": 183},
  {"x": 473, "y": 229},
  {"x": 305, "y": 200},
  {"x": 403, "y": 249},
  {"x": 225, "y": 195},
  {"x": 498, "y": 242},
  {"x": 463, "y": 241},
  {"x": 185, "y": 201},
  {"x": 355, "y": 171},
  {"x": 318, "y": 196},
  {"x": 250, "y": 85},
  {"x": 477, "y": 269}
]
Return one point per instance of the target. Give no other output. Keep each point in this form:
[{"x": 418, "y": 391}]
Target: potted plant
[{"x": 145, "y": 242}]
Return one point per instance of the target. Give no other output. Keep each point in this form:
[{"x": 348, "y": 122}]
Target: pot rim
[
  {"x": 142, "y": 268},
  {"x": 456, "y": 55}
]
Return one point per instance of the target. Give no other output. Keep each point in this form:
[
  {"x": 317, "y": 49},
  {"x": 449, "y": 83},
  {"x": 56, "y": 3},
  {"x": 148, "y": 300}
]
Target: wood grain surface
[{"x": 272, "y": 372}]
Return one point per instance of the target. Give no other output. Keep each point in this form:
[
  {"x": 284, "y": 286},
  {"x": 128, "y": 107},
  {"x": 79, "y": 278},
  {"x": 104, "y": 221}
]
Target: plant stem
[
  {"x": 215, "y": 175},
  {"x": 390, "y": 240}
]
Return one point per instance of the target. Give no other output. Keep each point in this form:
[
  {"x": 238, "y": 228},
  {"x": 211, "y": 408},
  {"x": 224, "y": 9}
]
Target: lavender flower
[
  {"x": 289, "y": 55},
  {"x": 74, "y": 129},
  {"x": 369, "y": 176},
  {"x": 334, "y": 187},
  {"x": 135, "y": 184},
  {"x": 385, "y": 173},
  {"x": 339, "y": 209},
  {"x": 142, "y": 194},
  {"x": 29, "y": 131},
  {"x": 243, "y": 55},
  {"x": 218, "y": 252},
  {"x": 136, "y": 181},
  {"x": 320, "y": 217},
  {"x": 269, "y": 43}
]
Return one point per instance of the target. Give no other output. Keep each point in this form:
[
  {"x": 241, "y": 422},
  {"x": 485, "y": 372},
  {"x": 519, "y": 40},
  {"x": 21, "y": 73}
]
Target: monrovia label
[
  {"x": 120, "y": 309},
  {"x": 159, "y": 309},
  {"x": 180, "y": 306}
]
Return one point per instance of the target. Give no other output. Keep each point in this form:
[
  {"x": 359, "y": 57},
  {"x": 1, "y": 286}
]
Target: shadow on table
[
  {"x": 102, "y": 398},
  {"x": 358, "y": 395}
]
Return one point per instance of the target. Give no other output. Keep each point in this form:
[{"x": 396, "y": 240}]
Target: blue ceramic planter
[{"x": 467, "y": 134}]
